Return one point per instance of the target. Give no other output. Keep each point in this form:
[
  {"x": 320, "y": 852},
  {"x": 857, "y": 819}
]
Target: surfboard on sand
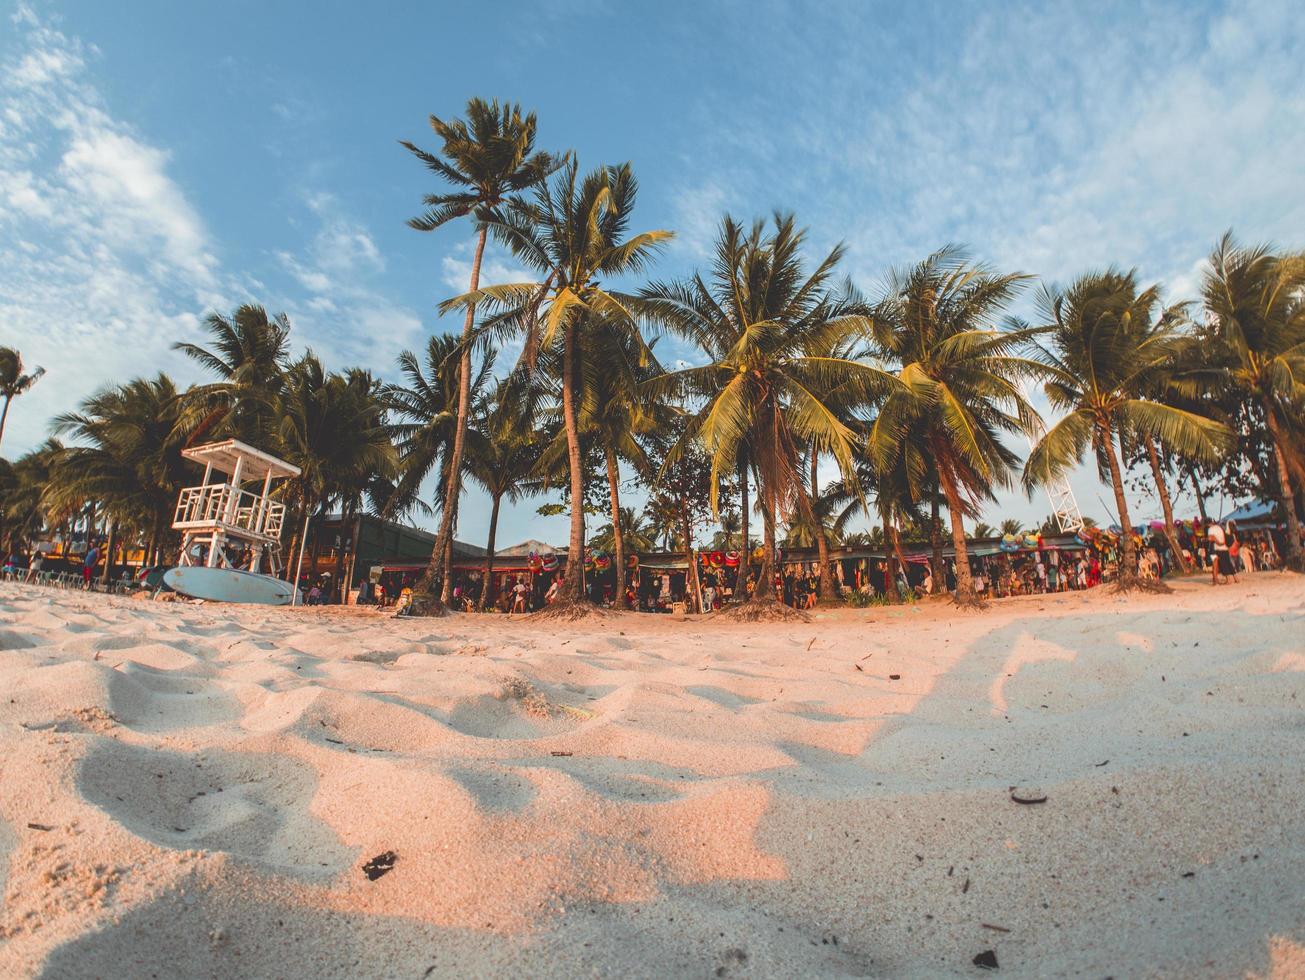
[{"x": 228, "y": 585}]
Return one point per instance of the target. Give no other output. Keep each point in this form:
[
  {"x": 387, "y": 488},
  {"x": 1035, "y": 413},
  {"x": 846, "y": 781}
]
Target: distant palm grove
[{"x": 918, "y": 395}]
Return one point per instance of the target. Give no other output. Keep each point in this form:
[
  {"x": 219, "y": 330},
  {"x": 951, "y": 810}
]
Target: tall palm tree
[
  {"x": 1185, "y": 383},
  {"x": 1104, "y": 340},
  {"x": 615, "y": 414},
  {"x": 14, "y": 381},
  {"x": 573, "y": 233},
  {"x": 333, "y": 428},
  {"x": 487, "y": 159},
  {"x": 1255, "y": 318},
  {"x": 504, "y": 447},
  {"x": 248, "y": 352},
  {"x": 960, "y": 391},
  {"x": 770, "y": 386}
]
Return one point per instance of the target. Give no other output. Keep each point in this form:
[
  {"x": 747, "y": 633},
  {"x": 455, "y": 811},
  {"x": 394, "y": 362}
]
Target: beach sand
[{"x": 194, "y": 790}]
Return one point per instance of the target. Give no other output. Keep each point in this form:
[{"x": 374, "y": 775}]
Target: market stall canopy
[{"x": 1257, "y": 511}]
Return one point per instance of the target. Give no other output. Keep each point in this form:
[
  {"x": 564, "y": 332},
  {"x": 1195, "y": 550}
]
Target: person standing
[
  {"x": 1222, "y": 559},
  {"x": 88, "y": 565}
]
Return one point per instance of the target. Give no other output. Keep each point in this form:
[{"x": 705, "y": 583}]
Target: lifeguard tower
[{"x": 217, "y": 511}]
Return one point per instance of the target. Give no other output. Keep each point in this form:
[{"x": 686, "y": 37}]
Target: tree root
[
  {"x": 764, "y": 611},
  {"x": 1133, "y": 583},
  {"x": 425, "y": 604},
  {"x": 570, "y": 611},
  {"x": 969, "y": 600}
]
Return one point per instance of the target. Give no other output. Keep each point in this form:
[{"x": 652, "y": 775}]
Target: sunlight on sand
[{"x": 197, "y": 789}]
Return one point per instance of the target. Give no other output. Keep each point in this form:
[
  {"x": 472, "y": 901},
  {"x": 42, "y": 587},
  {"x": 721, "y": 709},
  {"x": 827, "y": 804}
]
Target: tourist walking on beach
[
  {"x": 1222, "y": 563},
  {"x": 88, "y": 565}
]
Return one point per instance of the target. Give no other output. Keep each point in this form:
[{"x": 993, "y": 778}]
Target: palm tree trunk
[
  {"x": 935, "y": 544},
  {"x": 1127, "y": 553},
  {"x": 439, "y": 570},
  {"x": 1294, "y": 559},
  {"x": 618, "y": 535},
  {"x": 107, "y": 574},
  {"x": 691, "y": 581},
  {"x": 745, "y": 553},
  {"x": 765, "y": 590},
  {"x": 346, "y": 518},
  {"x": 827, "y": 588},
  {"x": 4, "y": 414},
  {"x": 573, "y": 583},
  {"x": 1171, "y": 530},
  {"x": 489, "y": 554},
  {"x": 315, "y": 537},
  {"x": 890, "y": 572},
  {"x": 897, "y": 550},
  {"x": 287, "y": 573},
  {"x": 965, "y": 594},
  {"x": 1196, "y": 491}
]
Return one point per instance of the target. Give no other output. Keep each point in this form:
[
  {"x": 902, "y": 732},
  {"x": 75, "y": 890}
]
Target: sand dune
[{"x": 196, "y": 790}]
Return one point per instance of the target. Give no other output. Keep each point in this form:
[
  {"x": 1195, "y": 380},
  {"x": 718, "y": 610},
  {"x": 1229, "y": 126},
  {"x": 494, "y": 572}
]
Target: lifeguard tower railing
[{"x": 233, "y": 509}]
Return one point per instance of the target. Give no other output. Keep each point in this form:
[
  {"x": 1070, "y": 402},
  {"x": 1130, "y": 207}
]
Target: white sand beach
[{"x": 194, "y": 790}]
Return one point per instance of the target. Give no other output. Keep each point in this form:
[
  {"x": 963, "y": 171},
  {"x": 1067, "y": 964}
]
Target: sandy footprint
[{"x": 252, "y": 805}]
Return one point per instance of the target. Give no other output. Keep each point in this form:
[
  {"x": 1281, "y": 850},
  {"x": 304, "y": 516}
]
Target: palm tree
[
  {"x": 127, "y": 459},
  {"x": 1186, "y": 384},
  {"x": 422, "y": 415},
  {"x": 333, "y": 428},
  {"x": 1010, "y": 526},
  {"x": 615, "y": 414},
  {"x": 357, "y": 488},
  {"x": 771, "y": 385},
  {"x": 1104, "y": 341},
  {"x": 488, "y": 158},
  {"x": 504, "y": 449},
  {"x": 573, "y": 233},
  {"x": 1255, "y": 318},
  {"x": 14, "y": 381},
  {"x": 663, "y": 521},
  {"x": 248, "y": 352},
  {"x": 636, "y": 532},
  {"x": 959, "y": 388},
  {"x": 21, "y": 494},
  {"x": 895, "y": 494}
]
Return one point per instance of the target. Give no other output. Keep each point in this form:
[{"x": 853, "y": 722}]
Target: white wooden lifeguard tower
[{"x": 217, "y": 511}]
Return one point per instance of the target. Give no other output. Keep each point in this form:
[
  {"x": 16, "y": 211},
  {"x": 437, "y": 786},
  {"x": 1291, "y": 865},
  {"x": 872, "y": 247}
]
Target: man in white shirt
[{"x": 1219, "y": 545}]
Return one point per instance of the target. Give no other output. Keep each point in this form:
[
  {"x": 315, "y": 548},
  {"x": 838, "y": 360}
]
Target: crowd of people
[{"x": 1222, "y": 550}]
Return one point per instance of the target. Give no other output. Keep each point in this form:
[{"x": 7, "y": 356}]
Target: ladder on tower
[{"x": 1064, "y": 505}]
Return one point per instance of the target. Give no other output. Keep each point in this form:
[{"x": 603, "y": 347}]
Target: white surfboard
[{"x": 228, "y": 585}]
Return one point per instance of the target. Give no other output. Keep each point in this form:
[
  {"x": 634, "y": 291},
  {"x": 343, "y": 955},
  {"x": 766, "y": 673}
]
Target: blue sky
[{"x": 160, "y": 160}]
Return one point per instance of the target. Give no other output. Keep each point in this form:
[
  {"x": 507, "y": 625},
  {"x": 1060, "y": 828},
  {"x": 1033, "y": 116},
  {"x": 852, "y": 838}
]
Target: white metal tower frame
[{"x": 1064, "y": 505}]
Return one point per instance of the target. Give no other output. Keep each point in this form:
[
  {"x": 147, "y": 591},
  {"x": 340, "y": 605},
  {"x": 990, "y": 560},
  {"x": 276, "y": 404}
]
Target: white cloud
[
  {"x": 347, "y": 317},
  {"x": 103, "y": 260}
]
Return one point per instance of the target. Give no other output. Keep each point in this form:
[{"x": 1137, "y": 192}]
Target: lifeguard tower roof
[{"x": 257, "y": 465}]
